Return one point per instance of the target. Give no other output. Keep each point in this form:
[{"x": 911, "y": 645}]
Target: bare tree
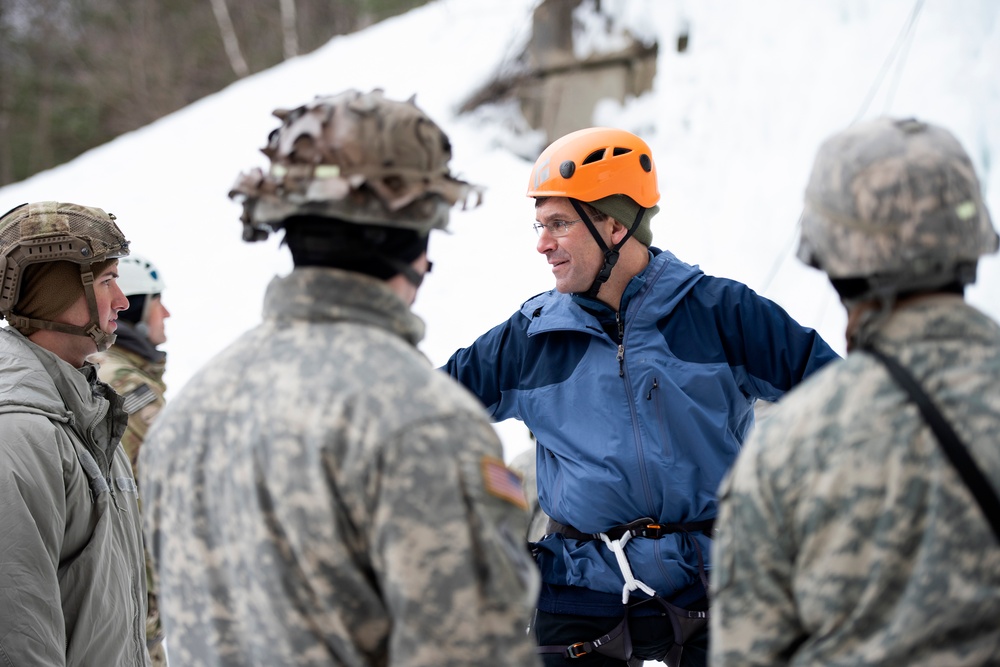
[
  {"x": 77, "y": 73},
  {"x": 6, "y": 150},
  {"x": 232, "y": 44},
  {"x": 289, "y": 29}
]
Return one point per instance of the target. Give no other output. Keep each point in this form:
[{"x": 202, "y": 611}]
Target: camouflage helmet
[
  {"x": 896, "y": 202},
  {"x": 356, "y": 157},
  {"x": 50, "y": 231}
]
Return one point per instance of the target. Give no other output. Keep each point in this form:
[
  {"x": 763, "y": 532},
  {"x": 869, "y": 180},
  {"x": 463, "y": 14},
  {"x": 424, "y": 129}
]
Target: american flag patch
[
  {"x": 138, "y": 398},
  {"x": 503, "y": 482}
]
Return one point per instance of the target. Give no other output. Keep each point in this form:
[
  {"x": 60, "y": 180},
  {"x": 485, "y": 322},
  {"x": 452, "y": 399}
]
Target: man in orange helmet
[{"x": 638, "y": 376}]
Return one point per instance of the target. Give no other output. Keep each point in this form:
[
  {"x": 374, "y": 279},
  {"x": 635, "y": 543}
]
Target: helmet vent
[
  {"x": 620, "y": 150},
  {"x": 594, "y": 157}
]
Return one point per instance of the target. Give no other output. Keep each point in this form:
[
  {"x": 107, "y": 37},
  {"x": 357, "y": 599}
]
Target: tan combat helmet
[
  {"x": 355, "y": 157},
  {"x": 894, "y": 206},
  {"x": 51, "y": 231}
]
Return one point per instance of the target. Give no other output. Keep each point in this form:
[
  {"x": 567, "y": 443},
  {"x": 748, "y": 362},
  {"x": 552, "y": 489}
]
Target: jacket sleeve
[
  {"x": 768, "y": 351},
  {"x": 32, "y": 495},
  {"x": 447, "y": 543},
  {"x": 491, "y": 367}
]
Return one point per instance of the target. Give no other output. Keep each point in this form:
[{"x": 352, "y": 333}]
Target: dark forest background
[{"x": 75, "y": 74}]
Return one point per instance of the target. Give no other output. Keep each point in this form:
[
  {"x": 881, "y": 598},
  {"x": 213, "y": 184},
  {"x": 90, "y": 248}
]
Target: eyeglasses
[{"x": 556, "y": 228}]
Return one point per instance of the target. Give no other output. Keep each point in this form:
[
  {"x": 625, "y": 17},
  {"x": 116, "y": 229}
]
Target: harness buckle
[
  {"x": 637, "y": 528},
  {"x": 577, "y": 650},
  {"x": 653, "y": 531}
]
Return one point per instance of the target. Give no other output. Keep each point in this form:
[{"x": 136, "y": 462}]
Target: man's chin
[{"x": 565, "y": 287}]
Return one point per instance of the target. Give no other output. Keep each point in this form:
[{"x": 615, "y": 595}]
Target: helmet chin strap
[
  {"x": 885, "y": 291},
  {"x": 412, "y": 276},
  {"x": 610, "y": 254},
  {"x": 92, "y": 330}
]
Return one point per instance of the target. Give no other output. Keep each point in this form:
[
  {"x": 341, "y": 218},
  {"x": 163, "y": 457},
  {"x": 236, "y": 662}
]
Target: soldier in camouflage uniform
[
  {"x": 134, "y": 367},
  {"x": 845, "y": 535},
  {"x": 319, "y": 494}
]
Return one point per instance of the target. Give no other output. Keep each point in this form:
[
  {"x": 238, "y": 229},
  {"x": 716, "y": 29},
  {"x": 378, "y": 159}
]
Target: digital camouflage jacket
[
  {"x": 845, "y": 536},
  {"x": 319, "y": 495},
  {"x": 134, "y": 368}
]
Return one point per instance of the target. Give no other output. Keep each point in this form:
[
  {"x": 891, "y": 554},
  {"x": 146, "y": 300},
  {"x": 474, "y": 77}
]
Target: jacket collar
[
  {"x": 602, "y": 309},
  {"x": 120, "y": 355},
  {"x": 40, "y": 381},
  {"x": 130, "y": 339},
  {"x": 331, "y": 295},
  {"x": 935, "y": 317},
  {"x": 24, "y": 381},
  {"x": 670, "y": 277}
]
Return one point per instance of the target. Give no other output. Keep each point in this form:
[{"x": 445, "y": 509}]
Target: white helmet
[{"x": 137, "y": 276}]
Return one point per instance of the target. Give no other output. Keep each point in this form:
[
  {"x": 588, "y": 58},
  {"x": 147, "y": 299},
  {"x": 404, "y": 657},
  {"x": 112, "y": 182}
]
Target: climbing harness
[{"x": 685, "y": 623}]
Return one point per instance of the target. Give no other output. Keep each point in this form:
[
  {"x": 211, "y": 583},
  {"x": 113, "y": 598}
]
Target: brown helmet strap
[{"x": 92, "y": 330}]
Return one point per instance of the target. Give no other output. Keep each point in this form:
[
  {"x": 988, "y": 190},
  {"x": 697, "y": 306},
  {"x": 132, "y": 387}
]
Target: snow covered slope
[{"x": 733, "y": 122}]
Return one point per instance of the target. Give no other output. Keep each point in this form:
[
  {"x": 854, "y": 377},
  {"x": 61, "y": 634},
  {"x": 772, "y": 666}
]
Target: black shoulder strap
[{"x": 953, "y": 448}]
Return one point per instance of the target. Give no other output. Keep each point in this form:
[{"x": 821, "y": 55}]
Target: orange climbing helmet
[{"x": 595, "y": 163}]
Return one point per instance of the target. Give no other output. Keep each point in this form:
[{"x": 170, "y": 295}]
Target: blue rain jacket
[{"x": 646, "y": 428}]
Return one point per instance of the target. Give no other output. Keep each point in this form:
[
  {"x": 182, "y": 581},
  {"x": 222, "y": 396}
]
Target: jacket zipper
[
  {"x": 621, "y": 344},
  {"x": 110, "y": 462},
  {"x": 660, "y": 421},
  {"x": 656, "y": 385}
]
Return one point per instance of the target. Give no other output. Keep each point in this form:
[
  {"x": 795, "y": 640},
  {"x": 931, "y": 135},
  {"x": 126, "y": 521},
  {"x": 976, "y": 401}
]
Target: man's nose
[
  {"x": 121, "y": 301},
  {"x": 546, "y": 242}
]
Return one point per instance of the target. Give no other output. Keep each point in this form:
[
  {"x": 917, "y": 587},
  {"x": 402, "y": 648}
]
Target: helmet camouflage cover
[
  {"x": 898, "y": 201},
  {"x": 52, "y": 231},
  {"x": 357, "y": 157}
]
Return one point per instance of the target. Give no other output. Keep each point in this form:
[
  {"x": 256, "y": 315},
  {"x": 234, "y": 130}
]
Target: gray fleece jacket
[{"x": 72, "y": 582}]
